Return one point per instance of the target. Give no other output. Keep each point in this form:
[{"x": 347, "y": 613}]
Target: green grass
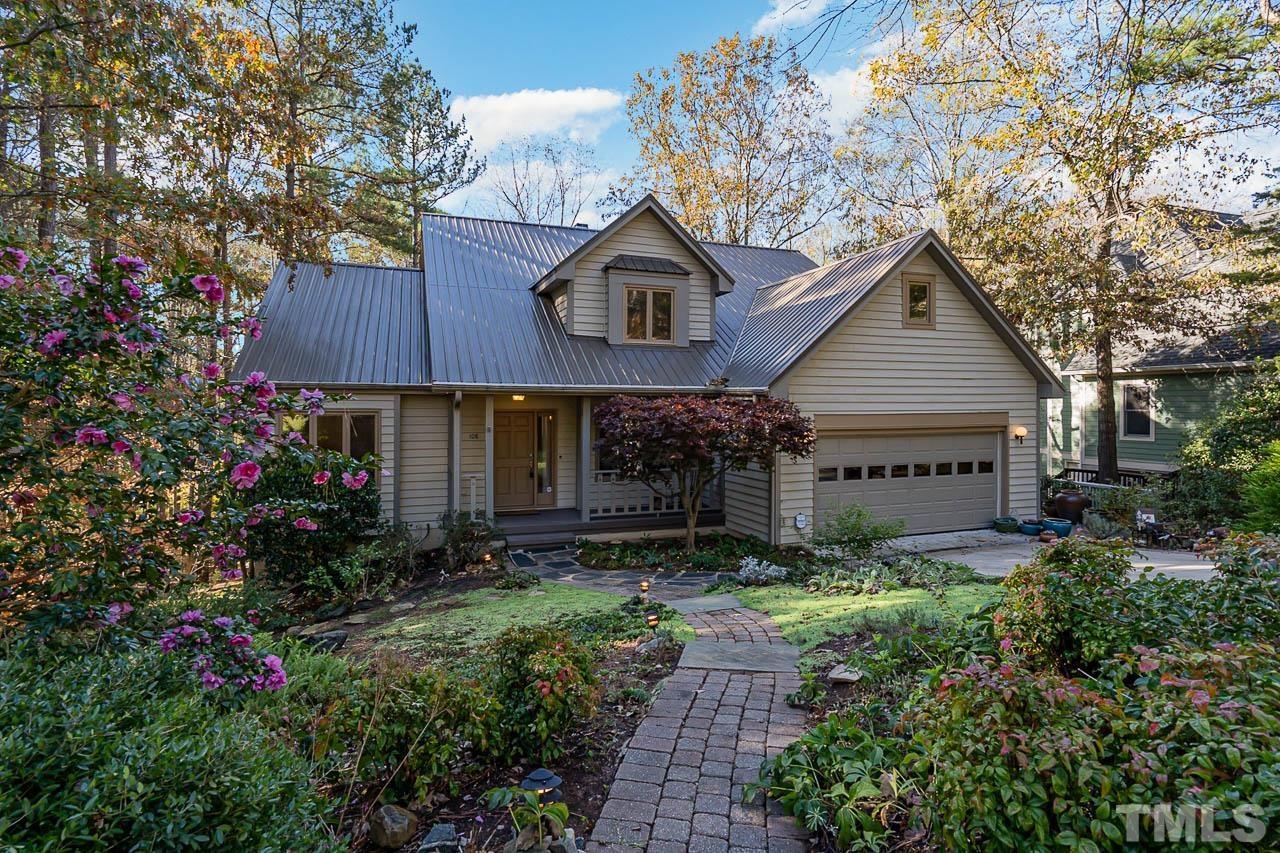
[
  {"x": 457, "y": 624},
  {"x": 807, "y": 620}
]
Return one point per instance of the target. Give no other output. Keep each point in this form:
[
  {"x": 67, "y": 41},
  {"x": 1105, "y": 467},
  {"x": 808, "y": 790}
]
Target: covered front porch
[{"x": 528, "y": 459}]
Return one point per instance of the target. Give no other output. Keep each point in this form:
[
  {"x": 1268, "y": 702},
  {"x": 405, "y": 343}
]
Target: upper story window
[
  {"x": 1138, "y": 415},
  {"x": 918, "y": 302},
  {"x": 650, "y": 314}
]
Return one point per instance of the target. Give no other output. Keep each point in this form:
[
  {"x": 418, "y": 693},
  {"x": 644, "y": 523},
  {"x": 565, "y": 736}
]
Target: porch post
[
  {"x": 455, "y": 452},
  {"x": 488, "y": 455},
  {"x": 584, "y": 457}
]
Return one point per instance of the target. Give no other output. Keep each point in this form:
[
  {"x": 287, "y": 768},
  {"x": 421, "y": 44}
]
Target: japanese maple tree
[{"x": 680, "y": 445}]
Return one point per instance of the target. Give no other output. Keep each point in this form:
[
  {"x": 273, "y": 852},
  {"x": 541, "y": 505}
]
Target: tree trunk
[
  {"x": 47, "y": 221},
  {"x": 93, "y": 188},
  {"x": 692, "y": 503},
  {"x": 111, "y": 172},
  {"x": 1108, "y": 465}
]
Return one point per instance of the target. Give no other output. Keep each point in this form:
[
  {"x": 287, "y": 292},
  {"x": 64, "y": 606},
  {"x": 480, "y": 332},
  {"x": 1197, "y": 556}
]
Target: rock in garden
[
  {"x": 329, "y": 641},
  {"x": 364, "y": 604},
  {"x": 332, "y": 612},
  {"x": 649, "y": 646},
  {"x": 358, "y": 619},
  {"x": 392, "y": 827},
  {"x": 442, "y": 838},
  {"x": 293, "y": 631},
  {"x": 842, "y": 674},
  {"x": 401, "y": 607}
]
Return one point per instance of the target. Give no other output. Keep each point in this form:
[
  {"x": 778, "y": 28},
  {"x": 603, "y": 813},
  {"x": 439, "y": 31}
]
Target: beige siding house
[{"x": 482, "y": 370}]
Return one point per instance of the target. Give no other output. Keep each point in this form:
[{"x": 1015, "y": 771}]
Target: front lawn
[
  {"x": 808, "y": 619},
  {"x": 450, "y": 626}
]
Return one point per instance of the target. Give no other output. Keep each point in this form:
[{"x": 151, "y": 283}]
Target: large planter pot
[
  {"x": 1060, "y": 526},
  {"x": 1071, "y": 504},
  {"x": 1006, "y": 524}
]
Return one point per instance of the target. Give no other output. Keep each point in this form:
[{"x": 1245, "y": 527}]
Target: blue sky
[{"x": 566, "y": 67}]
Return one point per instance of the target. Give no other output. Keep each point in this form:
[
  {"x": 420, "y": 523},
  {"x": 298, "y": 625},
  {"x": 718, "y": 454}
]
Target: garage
[{"x": 932, "y": 481}]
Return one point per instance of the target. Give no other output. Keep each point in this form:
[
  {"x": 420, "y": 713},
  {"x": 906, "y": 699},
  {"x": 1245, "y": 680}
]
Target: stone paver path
[{"x": 680, "y": 783}]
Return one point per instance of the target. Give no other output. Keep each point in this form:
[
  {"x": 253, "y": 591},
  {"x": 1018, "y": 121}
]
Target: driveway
[{"x": 999, "y": 560}]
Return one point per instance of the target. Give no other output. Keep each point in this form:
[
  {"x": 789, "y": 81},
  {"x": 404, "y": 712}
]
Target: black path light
[
  {"x": 651, "y": 618},
  {"x": 545, "y": 784}
]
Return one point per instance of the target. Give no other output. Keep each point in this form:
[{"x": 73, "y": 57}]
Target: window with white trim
[{"x": 1137, "y": 415}]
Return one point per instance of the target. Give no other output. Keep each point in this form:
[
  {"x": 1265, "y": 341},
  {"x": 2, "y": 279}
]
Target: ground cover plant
[{"x": 1075, "y": 710}]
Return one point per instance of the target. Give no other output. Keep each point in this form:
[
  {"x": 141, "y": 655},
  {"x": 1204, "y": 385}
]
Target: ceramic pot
[{"x": 1070, "y": 504}]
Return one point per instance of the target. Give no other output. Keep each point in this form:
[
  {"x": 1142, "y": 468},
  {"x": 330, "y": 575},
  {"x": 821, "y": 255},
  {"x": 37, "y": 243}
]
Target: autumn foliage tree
[{"x": 680, "y": 445}]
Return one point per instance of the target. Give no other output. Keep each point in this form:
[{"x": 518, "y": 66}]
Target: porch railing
[
  {"x": 609, "y": 495},
  {"x": 1090, "y": 476}
]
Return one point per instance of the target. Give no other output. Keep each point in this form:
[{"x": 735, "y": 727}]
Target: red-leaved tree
[{"x": 679, "y": 445}]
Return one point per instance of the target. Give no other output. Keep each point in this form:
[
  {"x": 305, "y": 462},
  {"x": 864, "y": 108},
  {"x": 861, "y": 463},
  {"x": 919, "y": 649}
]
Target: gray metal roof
[
  {"x": 489, "y": 329},
  {"x": 359, "y": 325},
  {"x": 643, "y": 263},
  {"x": 787, "y": 318},
  {"x": 1228, "y": 349}
]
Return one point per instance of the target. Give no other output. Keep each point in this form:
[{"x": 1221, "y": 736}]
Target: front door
[{"x": 513, "y": 462}]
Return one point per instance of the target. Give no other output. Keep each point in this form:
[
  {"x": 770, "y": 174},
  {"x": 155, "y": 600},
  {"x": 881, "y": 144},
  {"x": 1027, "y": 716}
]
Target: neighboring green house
[{"x": 1161, "y": 393}]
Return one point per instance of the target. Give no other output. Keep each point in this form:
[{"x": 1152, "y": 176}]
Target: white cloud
[
  {"x": 1225, "y": 177},
  {"x": 581, "y": 114},
  {"x": 785, "y": 14},
  {"x": 849, "y": 88}
]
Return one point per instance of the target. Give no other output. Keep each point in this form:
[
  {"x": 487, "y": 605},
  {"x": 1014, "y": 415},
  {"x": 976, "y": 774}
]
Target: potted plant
[{"x": 1070, "y": 503}]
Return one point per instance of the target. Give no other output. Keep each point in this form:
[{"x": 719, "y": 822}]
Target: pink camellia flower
[
  {"x": 314, "y": 400},
  {"x": 254, "y": 379},
  {"x": 117, "y": 610},
  {"x": 211, "y": 681},
  {"x": 191, "y": 616},
  {"x": 252, "y": 327},
  {"x": 305, "y": 523},
  {"x": 187, "y": 516},
  {"x": 320, "y": 478},
  {"x": 212, "y": 370},
  {"x": 224, "y": 622},
  {"x": 208, "y": 284},
  {"x": 90, "y": 434},
  {"x": 120, "y": 447},
  {"x": 132, "y": 289},
  {"x": 1006, "y": 644},
  {"x": 355, "y": 482},
  {"x": 51, "y": 340},
  {"x": 245, "y": 475},
  {"x": 66, "y": 286},
  {"x": 122, "y": 400},
  {"x": 133, "y": 265},
  {"x": 20, "y": 258},
  {"x": 241, "y": 640},
  {"x": 7, "y": 281}
]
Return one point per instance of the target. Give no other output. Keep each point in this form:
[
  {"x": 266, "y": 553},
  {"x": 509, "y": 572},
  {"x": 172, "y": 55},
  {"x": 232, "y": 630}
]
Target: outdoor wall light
[
  {"x": 1019, "y": 432},
  {"x": 545, "y": 784},
  {"x": 517, "y": 397}
]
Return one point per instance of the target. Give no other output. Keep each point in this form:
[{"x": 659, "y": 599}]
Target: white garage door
[{"x": 932, "y": 482}]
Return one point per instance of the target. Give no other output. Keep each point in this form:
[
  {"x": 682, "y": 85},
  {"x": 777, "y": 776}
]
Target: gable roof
[
  {"x": 721, "y": 278},
  {"x": 489, "y": 329},
  {"x": 1231, "y": 349},
  {"x": 788, "y": 319},
  {"x": 352, "y": 324}
]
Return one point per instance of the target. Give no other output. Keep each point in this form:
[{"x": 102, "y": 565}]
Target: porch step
[{"x": 524, "y": 531}]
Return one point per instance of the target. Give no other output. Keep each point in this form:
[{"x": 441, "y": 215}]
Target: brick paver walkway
[{"x": 679, "y": 786}]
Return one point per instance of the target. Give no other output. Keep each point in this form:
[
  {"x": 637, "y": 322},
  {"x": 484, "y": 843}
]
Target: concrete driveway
[{"x": 999, "y": 560}]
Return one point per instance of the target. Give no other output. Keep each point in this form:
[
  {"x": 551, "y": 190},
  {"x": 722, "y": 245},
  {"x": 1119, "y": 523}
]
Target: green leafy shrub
[
  {"x": 854, "y": 533},
  {"x": 517, "y": 579},
  {"x": 114, "y": 750},
  {"x": 915, "y": 571},
  {"x": 412, "y": 728},
  {"x": 544, "y": 683},
  {"x": 342, "y": 515},
  {"x": 468, "y": 538},
  {"x": 369, "y": 569},
  {"x": 1015, "y": 759},
  {"x": 1060, "y": 606},
  {"x": 713, "y": 552},
  {"x": 1262, "y": 492},
  {"x": 842, "y": 783}
]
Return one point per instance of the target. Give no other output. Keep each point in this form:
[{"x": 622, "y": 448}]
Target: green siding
[{"x": 1181, "y": 401}]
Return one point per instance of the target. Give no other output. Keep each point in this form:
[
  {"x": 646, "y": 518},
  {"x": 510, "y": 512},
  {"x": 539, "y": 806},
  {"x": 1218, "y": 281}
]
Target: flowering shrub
[
  {"x": 116, "y": 751},
  {"x": 108, "y": 418},
  {"x": 334, "y": 503},
  {"x": 1035, "y": 761},
  {"x": 222, "y": 653},
  {"x": 753, "y": 571},
  {"x": 544, "y": 682}
]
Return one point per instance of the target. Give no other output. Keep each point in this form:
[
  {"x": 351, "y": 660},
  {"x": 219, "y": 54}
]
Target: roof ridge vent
[{"x": 582, "y": 225}]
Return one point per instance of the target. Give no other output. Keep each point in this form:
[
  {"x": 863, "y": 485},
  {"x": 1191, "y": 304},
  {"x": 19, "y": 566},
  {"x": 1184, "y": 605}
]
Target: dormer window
[{"x": 650, "y": 314}]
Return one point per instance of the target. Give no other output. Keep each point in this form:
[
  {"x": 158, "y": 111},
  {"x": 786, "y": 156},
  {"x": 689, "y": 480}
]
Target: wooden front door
[{"x": 513, "y": 450}]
